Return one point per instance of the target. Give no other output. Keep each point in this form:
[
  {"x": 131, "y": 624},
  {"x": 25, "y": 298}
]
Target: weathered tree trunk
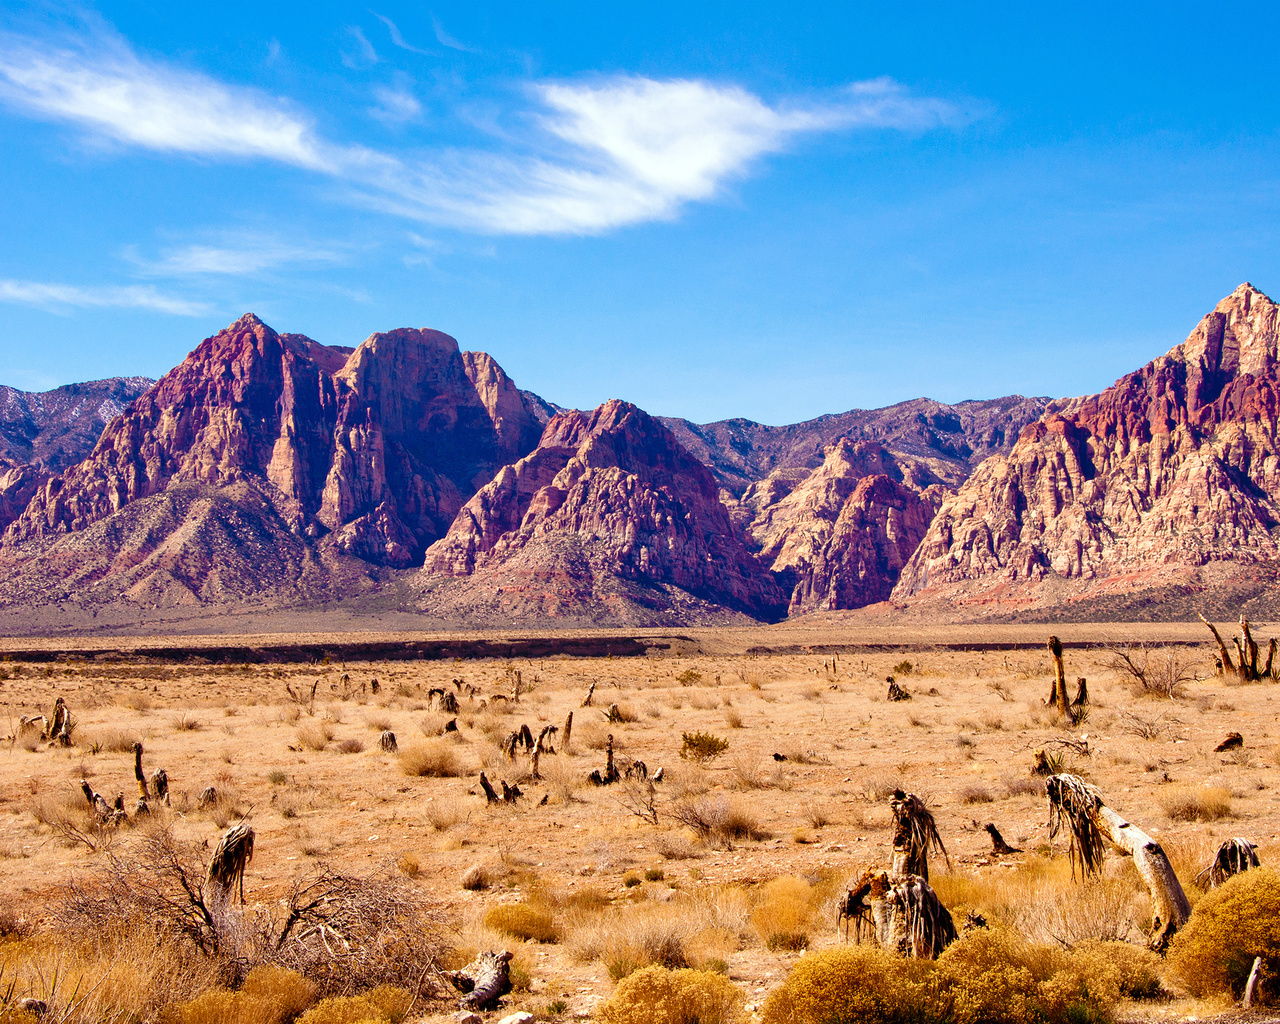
[
  {"x": 610, "y": 770},
  {"x": 1251, "y": 986},
  {"x": 591, "y": 690},
  {"x": 143, "y": 791},
  {"x": 568, "y": 730},
  {"x": 1223, "y": 653},
  {"x": 1250, "y": 648},
  {"x": 910, "y": 919},
  {"x": 490, "y": 794},
  {"x": 485, "y": 980},
  {"x": 1271, "y": 657},
  {"x": 1060, "y": 698},
  {"x": 1170, "y": 908},
  {"x": 533, "y": 761},
  {"x": 1082, "y": 693}
]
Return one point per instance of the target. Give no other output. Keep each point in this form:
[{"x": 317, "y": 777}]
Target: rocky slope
[
  {"x": 606, "y": 494},
  {"x": 52, "y": 430},
  {"x": 376, "y": 447},
  {"x": 938, "y": 443},
  {"x": 263, "y": 454},
  {"x": 840, "y": 538},
  {"x": 1171, "y": 470}
]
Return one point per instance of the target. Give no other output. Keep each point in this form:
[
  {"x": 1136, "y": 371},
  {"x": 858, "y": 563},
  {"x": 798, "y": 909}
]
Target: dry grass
[
  {"x": 446, "y": 812},
  {"x": 434, "y": 758},
  {"x": 524, "y": 921},
  {"x": 315, "y": 735},
  {"x": 1196, "y": 803}
]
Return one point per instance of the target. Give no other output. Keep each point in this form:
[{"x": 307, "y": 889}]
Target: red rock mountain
[
  {"x": 614, "y": 489},
  {"x": 377, "y": 447},
  {"x": 52, "y": 430},
  {"x": 840, "y": 538},
  {"x": 1173, "y": 470}
]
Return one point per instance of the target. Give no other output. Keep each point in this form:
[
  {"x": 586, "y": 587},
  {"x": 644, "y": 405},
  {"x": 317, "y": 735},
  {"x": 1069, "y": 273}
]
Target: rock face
[
  {"x": 52, "y": 430},
  {"x": 840, "y": 538},
  {"x": 1172, "y": 468},
  {"x": 940, "y": 443},
  {"x": 377, "y": 447},
  {"x": 613, "y": 488}
]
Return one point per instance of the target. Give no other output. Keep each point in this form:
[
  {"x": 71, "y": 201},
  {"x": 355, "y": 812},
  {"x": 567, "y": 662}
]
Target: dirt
[{"x": 969, "y": 732}]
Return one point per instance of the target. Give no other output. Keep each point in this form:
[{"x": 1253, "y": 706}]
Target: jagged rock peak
[
  {"x": 1170, "y": 469},
  {"x": 613, "y": 486}
]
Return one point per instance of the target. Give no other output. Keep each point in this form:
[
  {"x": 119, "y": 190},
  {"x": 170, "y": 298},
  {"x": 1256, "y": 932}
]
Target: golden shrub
[
  {"x": 348, "y": 1010},
  {"x": 849, "y": 985},
  {"x": 987, "y": 977},
  {"x": 286, "y": 993},
  {"x": 656, "y": 995},
  {"x": 1230, "y": 926},
  {"x": 524, "y": 921},
  {"x": 271, "y": 995}
]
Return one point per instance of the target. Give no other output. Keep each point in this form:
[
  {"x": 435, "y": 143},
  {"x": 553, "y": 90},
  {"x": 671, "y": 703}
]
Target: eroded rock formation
[
  {"x": 613, "y": 488},
  {"x": 1173, "y": 467}
]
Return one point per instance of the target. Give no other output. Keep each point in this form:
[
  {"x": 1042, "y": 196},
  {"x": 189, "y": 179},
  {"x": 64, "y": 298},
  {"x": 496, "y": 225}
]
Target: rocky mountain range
[
  {"x": 1167, "y": 478},
  {"x": 271, "y": 470}
]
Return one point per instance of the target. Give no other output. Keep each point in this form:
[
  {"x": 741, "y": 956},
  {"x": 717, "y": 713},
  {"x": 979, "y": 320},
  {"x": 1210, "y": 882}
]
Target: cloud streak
[
  {"x": 587, "y": 157},
  {"x": 244, "y": 258},
  {"x": 116, "y": 95},
  {"x": 59, "y": 297}
]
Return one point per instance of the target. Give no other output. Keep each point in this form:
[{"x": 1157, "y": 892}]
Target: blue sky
[{"x": 711, "y": 210}]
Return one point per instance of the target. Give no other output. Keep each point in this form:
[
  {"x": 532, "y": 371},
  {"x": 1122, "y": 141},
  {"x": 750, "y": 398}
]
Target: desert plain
[{"x": 737, "y": 862}]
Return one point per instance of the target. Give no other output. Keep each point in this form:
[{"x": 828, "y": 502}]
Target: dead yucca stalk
[
  {"x": 915, "y": 833},
  {"x": 1074, "y": 803},
  {"x": 1233, "y": 856},
  {"x": 1079, "y": 806}
]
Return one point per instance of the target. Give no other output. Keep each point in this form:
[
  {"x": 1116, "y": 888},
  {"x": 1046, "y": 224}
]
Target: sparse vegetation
[
  {"x": 657, "y": 995},
  {"x": 702, "y": 747},
  {"x": 433, "y": 758}
]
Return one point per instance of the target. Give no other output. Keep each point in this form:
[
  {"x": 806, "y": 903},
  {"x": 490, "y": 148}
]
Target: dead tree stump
[
  {"x": 1082, "y": 693},
  {"x": 591, "y": 690},
  {"x": 226, "y": 866},
  {"x": 896, "y": 692},
  {"x": 998, "y": 845},
  {"x": 568, "y": 730},
  {"x": 485, "y": 980},
  {"x": 904, "y": 913},
  {"x": 1059, "y": 697},
  {"x": 143, "y": 792},
  {"x": 490, "y": 794},
  {"x": 914, "y": 833},
  {"x": 388, "y": 741}
]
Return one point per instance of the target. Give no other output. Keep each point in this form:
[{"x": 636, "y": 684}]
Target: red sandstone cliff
[
  {"x": 1173, "y": 467},
  {"x": 613, "y": 488}
]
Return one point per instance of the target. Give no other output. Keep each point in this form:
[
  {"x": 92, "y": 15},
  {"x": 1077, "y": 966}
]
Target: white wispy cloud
[
  {"x": 363, "y": 53},
  {"x": 396, "y": 38},
  {"x": 115, "y": 94},
  {"x": 587, "y": 157},
  {"x": 60, "y": 296},
  {"x": 396, "y": 104},
  {"x": 627, "y": 150},
  {"x": 239, "y": 257},
  {"x": 444, "y": 39}
]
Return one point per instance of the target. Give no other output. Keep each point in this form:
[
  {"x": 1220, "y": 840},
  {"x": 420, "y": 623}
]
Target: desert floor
[{"x": 316, "y": 786}]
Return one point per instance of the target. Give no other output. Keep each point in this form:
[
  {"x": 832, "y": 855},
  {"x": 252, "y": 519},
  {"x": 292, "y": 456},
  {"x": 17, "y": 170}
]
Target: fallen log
[
  {"x": 1092, "y": 824},
  {"x": 485, "y": 980}
]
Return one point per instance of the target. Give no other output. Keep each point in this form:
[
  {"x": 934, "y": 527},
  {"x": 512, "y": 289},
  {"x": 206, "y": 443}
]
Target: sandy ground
[{"x": 966, "y": 740}]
